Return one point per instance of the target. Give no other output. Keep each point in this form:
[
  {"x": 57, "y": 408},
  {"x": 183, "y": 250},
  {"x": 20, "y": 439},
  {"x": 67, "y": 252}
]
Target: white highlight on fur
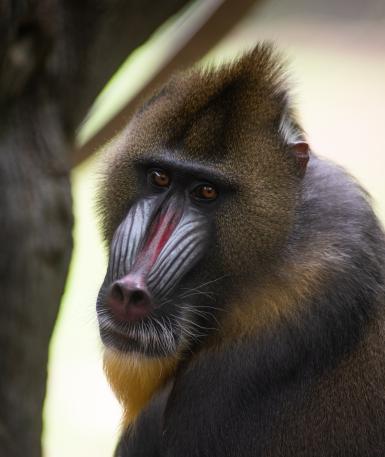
[{"x": 288, "y": 131}]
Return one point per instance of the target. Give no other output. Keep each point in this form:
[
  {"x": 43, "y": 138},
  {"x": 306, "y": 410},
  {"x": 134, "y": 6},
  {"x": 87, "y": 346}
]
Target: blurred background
[{"x": 336, "y": 55}]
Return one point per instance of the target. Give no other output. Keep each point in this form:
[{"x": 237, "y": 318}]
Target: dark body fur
[
  {"x": 292, "y": 362},
  {"x": 313, "y": 386}
]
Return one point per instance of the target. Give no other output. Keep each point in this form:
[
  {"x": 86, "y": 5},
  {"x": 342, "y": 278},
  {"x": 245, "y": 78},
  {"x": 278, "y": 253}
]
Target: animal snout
[{"x": 129, "y": 298}]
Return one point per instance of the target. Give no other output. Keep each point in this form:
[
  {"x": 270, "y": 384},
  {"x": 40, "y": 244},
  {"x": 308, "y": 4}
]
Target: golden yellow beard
[{"x": 135, "y": 379}]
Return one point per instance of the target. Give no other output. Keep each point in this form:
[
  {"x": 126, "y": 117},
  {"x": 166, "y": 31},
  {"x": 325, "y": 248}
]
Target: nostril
[
  {"x": 129, "y": 300},
  {"x": 137, "y": 297},
  {"x": 116, "y": 293}
]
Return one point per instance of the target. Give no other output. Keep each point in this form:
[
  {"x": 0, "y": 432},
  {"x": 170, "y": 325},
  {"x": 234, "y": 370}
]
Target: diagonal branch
[{"x": 194, "y": 41}]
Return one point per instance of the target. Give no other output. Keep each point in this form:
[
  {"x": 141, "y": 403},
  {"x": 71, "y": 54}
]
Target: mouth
[
  {"x": 154, "y": 333},
  {"x": 112, "y": 337}
]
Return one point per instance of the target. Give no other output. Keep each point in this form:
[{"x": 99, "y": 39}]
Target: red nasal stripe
[
  {"x": 165, "y": 229},
  {"x": 160, "y": 233}
]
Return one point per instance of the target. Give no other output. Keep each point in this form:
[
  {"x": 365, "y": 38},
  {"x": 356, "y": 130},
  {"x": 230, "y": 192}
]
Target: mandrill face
[
  {"x": 149, "y": 301},
  {"x": 199, "y": 197},
  {"x": 174, "y": 262}
]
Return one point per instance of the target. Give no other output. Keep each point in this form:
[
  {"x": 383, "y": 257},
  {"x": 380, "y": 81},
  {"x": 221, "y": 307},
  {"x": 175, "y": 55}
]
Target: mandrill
[{"x": 243, "y": 307}]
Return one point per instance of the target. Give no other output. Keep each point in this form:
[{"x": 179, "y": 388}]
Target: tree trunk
[{"x": 55, "y": 57}]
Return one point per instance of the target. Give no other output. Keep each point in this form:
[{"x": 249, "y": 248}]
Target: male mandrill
[{"x": 243, "y": 306}]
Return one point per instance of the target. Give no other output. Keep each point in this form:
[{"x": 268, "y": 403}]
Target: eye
[
  {"x": 159, "y": 178},
  {"x": 205, "y": 192}
]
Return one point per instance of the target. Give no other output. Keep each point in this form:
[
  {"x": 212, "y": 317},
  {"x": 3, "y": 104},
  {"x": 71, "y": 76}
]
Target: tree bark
[{"x": 55, "y": 57}]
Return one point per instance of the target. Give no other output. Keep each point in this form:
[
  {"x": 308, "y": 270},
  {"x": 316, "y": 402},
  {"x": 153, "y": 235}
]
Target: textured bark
[{"x": 55, "y": 56}]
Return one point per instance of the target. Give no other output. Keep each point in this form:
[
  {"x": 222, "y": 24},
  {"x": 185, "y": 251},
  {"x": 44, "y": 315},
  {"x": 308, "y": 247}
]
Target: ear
[{"x": 301, "y": 152}]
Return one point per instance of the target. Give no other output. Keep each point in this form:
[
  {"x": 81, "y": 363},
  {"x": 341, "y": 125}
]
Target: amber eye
[
  {"x": 205, "y": 192},
  {"x": 159, "y": 178}
]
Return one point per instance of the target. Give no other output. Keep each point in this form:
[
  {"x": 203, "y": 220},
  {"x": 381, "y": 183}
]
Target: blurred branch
[{"x": 196, "y": 38}]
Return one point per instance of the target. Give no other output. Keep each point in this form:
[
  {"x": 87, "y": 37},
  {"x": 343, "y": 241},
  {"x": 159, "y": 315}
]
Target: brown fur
[
  {"x": 208, "y": 115},
  {"x": 278, "y": 297}
]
